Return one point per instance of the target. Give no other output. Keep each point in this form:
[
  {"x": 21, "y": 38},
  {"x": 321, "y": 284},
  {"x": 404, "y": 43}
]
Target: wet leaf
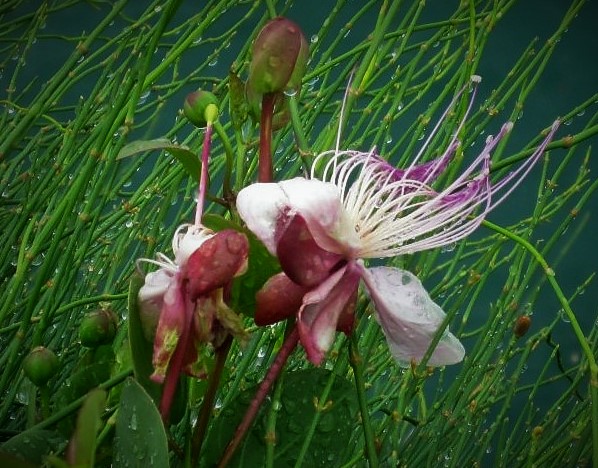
[
  {"x": 82, "y": 447},
  {"x": 140, "y": 434},
  {"x": 188, "y": 158},
  {"x": 30, "y": 447}
]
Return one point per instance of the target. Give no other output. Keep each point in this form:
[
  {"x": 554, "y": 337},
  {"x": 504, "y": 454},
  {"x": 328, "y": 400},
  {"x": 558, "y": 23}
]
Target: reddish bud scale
[
  {"x": 522, "y": 325},
  {"x": 279, "y": 299},
  {"x": 216, "y": 262}
]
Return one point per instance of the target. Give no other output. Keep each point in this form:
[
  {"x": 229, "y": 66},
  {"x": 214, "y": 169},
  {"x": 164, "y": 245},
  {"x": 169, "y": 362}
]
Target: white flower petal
[
  {"x": 186, "y": 243},
  {"x": 409, "y": 317},
  {"x": 151, "y": 298},
  {"x": 261, "y": 206}
]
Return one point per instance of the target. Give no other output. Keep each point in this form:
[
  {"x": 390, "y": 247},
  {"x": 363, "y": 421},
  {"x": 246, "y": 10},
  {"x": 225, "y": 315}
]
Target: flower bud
[
  {"x": 280, "y": 54},
  {"x": 201, "y": 108},
  {"x": 40, "y": 365},
  {"x": 98, "y": 328}
]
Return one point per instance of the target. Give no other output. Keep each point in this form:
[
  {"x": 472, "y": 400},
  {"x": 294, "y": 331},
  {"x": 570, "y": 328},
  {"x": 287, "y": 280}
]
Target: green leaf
[
  {"x": 188, "y": 158},
  {"x": 141, "y": 349},
  {"x": 261, "y": 266},
  {"x": 238, "y": 105},
  {"x": 82, "y": 447},
  {"x": 140, "y": 433},
  {"x": 301, "y": 388},
  {"x": 30, "y": 446}
]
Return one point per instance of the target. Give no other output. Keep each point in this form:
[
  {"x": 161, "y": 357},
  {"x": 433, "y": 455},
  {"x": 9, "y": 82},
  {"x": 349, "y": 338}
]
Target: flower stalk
[{"x": 262, "y": 392}]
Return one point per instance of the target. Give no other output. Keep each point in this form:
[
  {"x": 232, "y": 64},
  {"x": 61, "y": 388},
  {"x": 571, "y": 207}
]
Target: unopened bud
[
  {"x": 98, "y": 328},
  {"x": 40, "y": 365},
  {"x": 201, "y": 108},
  {"x": 280, "y": 54}
]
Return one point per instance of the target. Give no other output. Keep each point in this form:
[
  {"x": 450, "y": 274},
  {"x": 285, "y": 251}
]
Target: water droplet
[
  {"x": 290, "y": 92},
  {"x": 129, "y": 224},
  {"x": 213, "y": 62},
  {"x": 449, "y": 247},
  {"x": 314, "y": 39},
  {"x": 143, "y": 97}
]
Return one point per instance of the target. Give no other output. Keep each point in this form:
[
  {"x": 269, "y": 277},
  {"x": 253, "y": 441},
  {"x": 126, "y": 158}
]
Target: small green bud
[
  {"x": 98, "y": 328},
  {"x": 40, "y": 365},
  {"x": 280, "y": 54},
  {"x": 201, "y": 108}
]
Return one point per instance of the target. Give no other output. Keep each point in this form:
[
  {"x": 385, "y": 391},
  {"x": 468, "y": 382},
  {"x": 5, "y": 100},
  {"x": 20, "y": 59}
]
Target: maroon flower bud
[
  {"x": 215, "y": 263},
  {"x": 40, "y": 365},
  {"x": 201, "y": 108},
  {"x": 280, "y": 54},
  {"x": 98, "y": 328}
]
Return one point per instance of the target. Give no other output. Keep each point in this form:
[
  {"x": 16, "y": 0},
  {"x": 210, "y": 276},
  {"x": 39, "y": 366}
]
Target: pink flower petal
[
  {"x": 409, "y": 318},
  {"x": 175, "y": 321},
  {"x": 322, "y": 309},
  {"x": 301, "y": 258}
]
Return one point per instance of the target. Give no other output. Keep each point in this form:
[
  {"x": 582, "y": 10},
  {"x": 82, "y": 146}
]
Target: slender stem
[
  {"x": 208, "y": 401},
  {"x": 299, "y": 133},
  {"x": 230, "y": 156},
  {"x": 203, "y": 175},
  {"x": 357, "y": 365},
  {"x": 265, "y": 162},
  {"x": 287, "y": 347},
  {"x": 74, "y": 406}
]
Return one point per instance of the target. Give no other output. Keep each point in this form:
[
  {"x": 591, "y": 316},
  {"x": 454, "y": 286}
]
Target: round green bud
[
  {"x": 98, "y": 328},
  {"x": 40, "y": 365},
  {"x": 201, "y": 108}
]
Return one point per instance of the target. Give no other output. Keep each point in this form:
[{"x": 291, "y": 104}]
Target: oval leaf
[
  {"x": 140, "y": 439},
  {"x": 188, "y": 158}
]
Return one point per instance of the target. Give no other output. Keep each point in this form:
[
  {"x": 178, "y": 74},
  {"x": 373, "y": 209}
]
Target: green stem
[
  {"x": 357, "y": 365},
  {"x": 208, "y": 401},
  {"x": 583, "y": 342},
  {"x": 299, "y": 133},
  {"x": 230, "y": 156},
  {"x": 74, "y": 406}
]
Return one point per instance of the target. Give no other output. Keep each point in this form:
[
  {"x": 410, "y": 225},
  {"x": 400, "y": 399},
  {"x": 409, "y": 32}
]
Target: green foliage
[
  {"x": 184, "y": 155},
  {"x": 299, "y": 407},
  {"x": 140, "y": 436},
  {"x": 83, "y": 198},
  {"x": 31, "y": 446},
  {"x": 82, "y": 446}
]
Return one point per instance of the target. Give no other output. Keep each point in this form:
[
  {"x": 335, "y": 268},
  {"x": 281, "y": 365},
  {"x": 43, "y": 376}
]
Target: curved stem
[{"x": 285, "y": 351}]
